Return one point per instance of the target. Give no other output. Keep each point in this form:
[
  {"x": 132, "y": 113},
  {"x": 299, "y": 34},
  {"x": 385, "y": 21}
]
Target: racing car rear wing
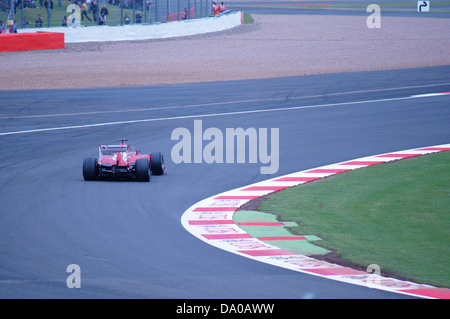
[{"x": 110, "y": 149}]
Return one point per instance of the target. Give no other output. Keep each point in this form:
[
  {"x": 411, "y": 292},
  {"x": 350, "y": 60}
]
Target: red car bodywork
[
  {"x": 122, "y": 161},
  {"x": 119, "y": 155}
]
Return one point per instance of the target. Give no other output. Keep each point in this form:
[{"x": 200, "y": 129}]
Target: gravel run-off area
[{"x": 273, "y": 46}]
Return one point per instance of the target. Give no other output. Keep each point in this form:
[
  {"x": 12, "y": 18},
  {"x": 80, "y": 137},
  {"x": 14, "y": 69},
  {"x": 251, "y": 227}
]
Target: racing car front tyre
[
  {"x": 90, "y": 169},
  {"x": 157, "y": 163},
  {"x": 142, "y": 170}
]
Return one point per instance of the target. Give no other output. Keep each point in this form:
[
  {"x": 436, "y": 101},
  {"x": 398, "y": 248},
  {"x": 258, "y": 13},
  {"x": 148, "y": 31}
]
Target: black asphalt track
[{"x": 126, "y": 236}]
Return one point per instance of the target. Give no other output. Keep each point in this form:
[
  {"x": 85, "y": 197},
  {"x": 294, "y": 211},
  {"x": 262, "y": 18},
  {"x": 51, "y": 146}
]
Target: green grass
[
  {"x": 248, "y": 18},
  {"x": 395, "y": 215}
]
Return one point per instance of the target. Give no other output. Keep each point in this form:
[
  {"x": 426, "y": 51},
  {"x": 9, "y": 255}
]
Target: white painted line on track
[
  {"x": 215, "y": 114},
  {"x": 232, "y": 102},
  {"x": 430, "y": 94},
  {"x": 211, "y": 220}
]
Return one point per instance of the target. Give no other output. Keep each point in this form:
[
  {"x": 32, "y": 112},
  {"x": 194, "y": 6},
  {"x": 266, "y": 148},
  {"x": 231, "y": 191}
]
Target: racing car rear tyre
[
  {"x": 90, "y": 169},
  {"x": 157, "y": 163},
  {"x": 142, "y": 170}
]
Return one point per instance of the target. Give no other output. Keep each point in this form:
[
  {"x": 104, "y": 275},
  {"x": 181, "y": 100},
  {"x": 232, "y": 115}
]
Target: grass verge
[
  {"x": 409, "y": 6},
  {"x": 395, "y": 215},
  {"x": 248, "y": 18}
]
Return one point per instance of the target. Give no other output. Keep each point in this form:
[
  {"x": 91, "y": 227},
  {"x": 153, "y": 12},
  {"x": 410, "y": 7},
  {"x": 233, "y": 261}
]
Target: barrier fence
[
  {"x": 56, "y": 13},
  {"x": 165, "y": 10}
]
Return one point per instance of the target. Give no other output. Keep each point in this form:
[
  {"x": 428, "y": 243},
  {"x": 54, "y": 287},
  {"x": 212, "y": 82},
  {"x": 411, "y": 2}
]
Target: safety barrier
[{"x": 31, "y": 41}]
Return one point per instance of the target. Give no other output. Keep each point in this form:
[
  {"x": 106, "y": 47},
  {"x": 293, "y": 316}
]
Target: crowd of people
[{"x": 91, "y": 7}]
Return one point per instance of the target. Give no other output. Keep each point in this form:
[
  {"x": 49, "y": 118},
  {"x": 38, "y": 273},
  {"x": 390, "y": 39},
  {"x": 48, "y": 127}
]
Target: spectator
[
  {"x": 126, "y": 19},
  {"x": 184, "y": 16},
  {"x": 64, "y": 21},
  {"x": 1, "y": 26},
  {"x": 13, "y": 28},
  {"x": 46, "y": 4},
  {"x": 94, "y": 10},
  {"x": 84, "y": 12},
  {"x": 25, "y": 22},
  {"x": 138, "y": 17},
  {"x": 104, "y": 12},
  {"x": 101, "y": 21},
  {"x": 38, "y": 22}
]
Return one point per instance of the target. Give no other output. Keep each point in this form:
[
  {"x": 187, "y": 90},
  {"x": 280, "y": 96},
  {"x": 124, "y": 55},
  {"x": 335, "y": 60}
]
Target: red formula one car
[{"x": 122, "y": 161}]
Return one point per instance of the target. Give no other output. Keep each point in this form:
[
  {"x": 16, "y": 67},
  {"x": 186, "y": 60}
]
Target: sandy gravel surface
[{"x": 275, "y": 45}]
